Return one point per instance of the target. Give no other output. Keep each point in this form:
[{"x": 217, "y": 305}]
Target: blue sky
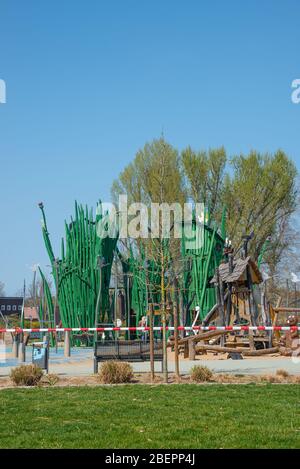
[{"x": 89, "y": 82}]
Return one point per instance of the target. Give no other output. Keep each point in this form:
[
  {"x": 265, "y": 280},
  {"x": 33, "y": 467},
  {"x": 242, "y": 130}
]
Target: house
[
  {"x": 31, "y": 312},
  {"x": 11, "y": 305}
]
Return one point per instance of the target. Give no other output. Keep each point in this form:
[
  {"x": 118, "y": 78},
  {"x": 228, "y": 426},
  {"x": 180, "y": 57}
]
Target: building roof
[
  {"x": 239, "y": 271},
  {"x": 11, "y": 299},
  {"x": 10, "y": 305}
]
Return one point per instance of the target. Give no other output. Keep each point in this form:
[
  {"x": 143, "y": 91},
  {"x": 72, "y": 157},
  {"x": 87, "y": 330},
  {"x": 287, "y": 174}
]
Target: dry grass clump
[
  {"x": 201, "y": 374},
  {"x": 50, "y": 379},
  {"x": 26, "y": 375},
  {"x": 270, "y": 379},
  {"x": 224, "y": 378},
  {"x": 283, "y": 373},
  {"x": 114, "y": 372},
  {"x": 228, "y": 378}
]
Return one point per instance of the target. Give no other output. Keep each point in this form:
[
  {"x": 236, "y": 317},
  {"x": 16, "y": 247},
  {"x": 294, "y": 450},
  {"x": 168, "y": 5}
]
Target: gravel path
[{"x": 81, "y": 364}]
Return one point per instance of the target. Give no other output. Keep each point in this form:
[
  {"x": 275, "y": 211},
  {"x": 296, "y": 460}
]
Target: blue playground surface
[{"x": 55, "y": 357}]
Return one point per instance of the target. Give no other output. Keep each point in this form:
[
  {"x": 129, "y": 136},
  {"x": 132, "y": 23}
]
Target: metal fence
[{"x": 128, "y": 350}]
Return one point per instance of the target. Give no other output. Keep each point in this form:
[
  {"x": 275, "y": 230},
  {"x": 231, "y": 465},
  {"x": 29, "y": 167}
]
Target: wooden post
[
  {"x": 67, "y": 344},
  {"x": 222, "y": 301},
  {"x": 164, "y": 325},
  {"x": 229, "y": 299},
  {"x": 128, "y": 305},
  {"x": 181, "y": 312},
  {"x": 251, "y": 301},
  {"x": 251, "y": 340},
  {"x": 98, "y": 303},
  {"x": 192, "y": 351},
  {"x": 116, "y": 316},
  {"x": 15, "y": 346},
  {"x": 177, "y": 372},
  {"x": 165, "y": 351},
  {"x": 218, "y": 296},
  {"x": 229, "y": 305},
  {"x": 22, "y": 354},
  {"x": 252, "y": 305},
  {"x": 151, "y": 342},
  {"x": 263, "y": 304},
  {"x": 220, "y": 289},
  {"x": 186, "y": 350}
]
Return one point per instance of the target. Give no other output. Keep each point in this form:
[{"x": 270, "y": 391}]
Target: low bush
[
  {"x": 201, "y": 374},
  {"x": 114, "y": 372},
  {"x": 26, "y": 375}
]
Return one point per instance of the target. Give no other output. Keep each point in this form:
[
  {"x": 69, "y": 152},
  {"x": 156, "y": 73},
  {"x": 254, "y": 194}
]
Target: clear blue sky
[{"x": 89, "y": 82}]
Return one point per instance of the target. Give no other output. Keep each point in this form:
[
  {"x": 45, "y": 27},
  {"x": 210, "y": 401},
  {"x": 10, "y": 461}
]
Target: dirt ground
[{"x": 281, "y": 377}]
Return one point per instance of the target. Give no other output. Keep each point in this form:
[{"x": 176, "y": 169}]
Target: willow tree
[
  {"x": 154, "y": 176},
  {"x": 257, "y": 190},
  {"x": 260, "y": 196},
  {"x": 204, "y": 177}
]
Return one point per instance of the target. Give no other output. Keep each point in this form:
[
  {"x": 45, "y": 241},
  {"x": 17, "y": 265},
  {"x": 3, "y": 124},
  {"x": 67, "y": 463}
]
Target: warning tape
[{"x": 18, "y": 330}]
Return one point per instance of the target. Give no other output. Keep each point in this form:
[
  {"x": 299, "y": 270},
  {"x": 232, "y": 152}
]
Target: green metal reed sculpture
[{"x": 83, "y": 271}]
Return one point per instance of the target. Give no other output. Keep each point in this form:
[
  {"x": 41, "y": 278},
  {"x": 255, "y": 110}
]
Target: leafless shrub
[
  {"x": 26, "y": 375},
  {"x": 201, "y": 374},
  {"x": 114, "y": 372}
]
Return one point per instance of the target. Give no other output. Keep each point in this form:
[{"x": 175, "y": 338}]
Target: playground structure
[
  {"x": 97, "y": 282},
  {"x": 101, "y": 283}
]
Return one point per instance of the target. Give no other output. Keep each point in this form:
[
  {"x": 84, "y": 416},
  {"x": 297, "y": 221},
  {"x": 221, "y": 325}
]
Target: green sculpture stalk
[{"x": 76, "y": 272}]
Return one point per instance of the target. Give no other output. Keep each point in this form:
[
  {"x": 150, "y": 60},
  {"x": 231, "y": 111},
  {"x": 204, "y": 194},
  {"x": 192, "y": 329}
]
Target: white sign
[
  {"x": 296, "y": 93},
  {"x": 2, "y": 92}
]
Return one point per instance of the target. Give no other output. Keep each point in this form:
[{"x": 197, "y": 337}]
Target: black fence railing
[{"x": 126, "y": 350}]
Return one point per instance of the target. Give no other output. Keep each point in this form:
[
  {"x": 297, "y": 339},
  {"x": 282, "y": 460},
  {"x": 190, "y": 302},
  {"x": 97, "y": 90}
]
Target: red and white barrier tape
[{"x": 19, "y": 330}]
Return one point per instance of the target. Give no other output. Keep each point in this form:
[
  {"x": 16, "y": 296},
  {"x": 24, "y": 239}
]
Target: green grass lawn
[{"x": 140, "y": 416}]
